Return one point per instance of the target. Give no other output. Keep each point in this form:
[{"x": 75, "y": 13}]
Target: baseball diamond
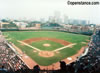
[{"x": 47, "y": 47}]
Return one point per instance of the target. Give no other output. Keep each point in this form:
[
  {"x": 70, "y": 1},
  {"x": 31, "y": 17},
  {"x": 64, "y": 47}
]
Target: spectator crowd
[{"x": 9, "y": 61}]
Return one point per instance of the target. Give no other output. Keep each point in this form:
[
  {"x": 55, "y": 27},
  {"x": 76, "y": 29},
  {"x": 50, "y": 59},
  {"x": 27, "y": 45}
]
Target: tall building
[
  {"x": 51, "y": 19},
  {"x": 42, "y": 20},
  {"x": 77, "y": 22},
  {"x": 57, "y": 17},
  {"x": 65, "y": 20}
]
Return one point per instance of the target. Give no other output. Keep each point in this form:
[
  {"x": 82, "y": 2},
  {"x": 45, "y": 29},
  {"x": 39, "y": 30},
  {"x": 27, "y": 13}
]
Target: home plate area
[{"x": 46, "y": 53}]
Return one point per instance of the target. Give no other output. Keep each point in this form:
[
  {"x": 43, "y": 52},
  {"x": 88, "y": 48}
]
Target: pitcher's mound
[
  {"x": 46, "y": 53},
  {"x": 46, "y": 45}
]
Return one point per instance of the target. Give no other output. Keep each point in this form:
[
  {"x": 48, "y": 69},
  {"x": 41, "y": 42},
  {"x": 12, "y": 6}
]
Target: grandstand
[{"x": 88, "y": 62}]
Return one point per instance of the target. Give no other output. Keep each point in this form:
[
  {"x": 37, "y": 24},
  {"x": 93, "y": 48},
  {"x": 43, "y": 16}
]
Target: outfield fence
[{"x": 59, "y": 30}]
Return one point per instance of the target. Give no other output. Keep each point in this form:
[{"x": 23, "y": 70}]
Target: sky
[{"x": 36, "y": 9}]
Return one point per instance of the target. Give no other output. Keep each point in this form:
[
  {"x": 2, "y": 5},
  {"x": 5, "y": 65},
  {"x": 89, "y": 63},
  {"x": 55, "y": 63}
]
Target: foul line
[
  {"x": 29, "y": 45},
  {"x": 40, "y": 50},
  {"x": 64, "y": 47}
]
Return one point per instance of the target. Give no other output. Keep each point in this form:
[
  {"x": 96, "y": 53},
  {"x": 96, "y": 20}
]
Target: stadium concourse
[{"x": 87, "y": 63}]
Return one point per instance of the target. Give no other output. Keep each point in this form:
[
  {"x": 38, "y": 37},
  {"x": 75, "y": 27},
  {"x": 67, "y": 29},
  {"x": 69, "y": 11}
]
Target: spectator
[{"x": 36, "y": 69}]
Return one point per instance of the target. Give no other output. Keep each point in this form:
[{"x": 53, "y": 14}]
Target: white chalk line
[
  {"x": 40, "y": 50},
  {"x": 29, "y": 45},
  {"x": 65, "y": 47}
]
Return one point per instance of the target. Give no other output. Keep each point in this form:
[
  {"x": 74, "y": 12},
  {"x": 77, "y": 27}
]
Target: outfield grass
[{"x": 73, "y": 38}]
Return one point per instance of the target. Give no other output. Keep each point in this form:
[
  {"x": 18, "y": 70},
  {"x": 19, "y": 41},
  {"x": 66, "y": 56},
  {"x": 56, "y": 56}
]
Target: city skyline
[{"x": 37, "y": 9}]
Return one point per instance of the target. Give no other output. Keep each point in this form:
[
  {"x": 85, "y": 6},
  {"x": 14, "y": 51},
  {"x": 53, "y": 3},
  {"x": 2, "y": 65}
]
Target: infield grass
[{"x": 53, "y": 45}]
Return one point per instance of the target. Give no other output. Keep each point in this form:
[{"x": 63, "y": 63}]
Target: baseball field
[{"x": 47, "y": 47}]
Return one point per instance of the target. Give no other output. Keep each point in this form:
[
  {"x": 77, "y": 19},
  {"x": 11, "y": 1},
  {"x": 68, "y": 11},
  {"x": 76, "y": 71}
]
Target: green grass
[
  {"x": 73, "y": 38},
  {"x": 53, "y": 45}
]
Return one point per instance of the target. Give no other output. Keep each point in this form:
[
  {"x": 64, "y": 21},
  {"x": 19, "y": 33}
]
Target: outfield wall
[{"x": 59, "y": 30}]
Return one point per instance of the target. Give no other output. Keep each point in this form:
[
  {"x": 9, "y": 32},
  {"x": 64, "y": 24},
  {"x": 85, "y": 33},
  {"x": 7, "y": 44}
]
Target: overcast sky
[{"x": 44, "y": 8}]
